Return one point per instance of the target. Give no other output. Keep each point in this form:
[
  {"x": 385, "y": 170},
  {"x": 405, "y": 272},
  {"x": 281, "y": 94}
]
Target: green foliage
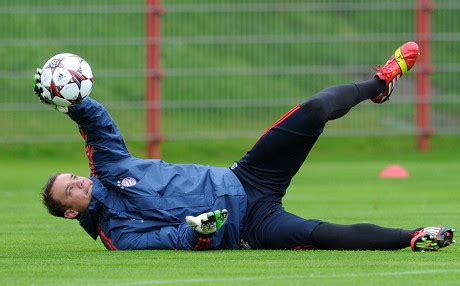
[{"x": 263, "y": 58}]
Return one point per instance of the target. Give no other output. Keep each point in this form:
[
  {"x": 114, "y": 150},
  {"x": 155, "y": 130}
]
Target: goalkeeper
[{"x": 133, "y": 203}]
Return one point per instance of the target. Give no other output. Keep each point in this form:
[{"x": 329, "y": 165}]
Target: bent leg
[
  {"x": 278, "y": 154},
  {"x": 361, "y": 236}
]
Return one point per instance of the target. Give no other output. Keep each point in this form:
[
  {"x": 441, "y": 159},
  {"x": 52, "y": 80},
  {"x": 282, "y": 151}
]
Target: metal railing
[{"x": 229, "y": 68}]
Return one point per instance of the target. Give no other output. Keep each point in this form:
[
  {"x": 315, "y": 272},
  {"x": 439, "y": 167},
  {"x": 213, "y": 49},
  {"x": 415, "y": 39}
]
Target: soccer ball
[{"x": 67, "y": 79}]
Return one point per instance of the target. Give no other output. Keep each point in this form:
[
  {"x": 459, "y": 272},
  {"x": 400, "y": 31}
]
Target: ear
[{"x": 70, "y": 213}]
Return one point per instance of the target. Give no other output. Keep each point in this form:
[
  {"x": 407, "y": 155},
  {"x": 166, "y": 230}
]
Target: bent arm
[
  {"x": 104, "y": 142},
  {"x": 168, "y": 237}
]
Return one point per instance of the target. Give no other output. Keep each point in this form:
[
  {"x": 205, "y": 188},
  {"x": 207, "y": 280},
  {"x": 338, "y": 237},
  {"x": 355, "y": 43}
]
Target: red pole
[
  {"x": 153, "y": 98},
  {"x": 422, "y": 77}
]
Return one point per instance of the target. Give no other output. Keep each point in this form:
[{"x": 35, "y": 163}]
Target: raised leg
[{"x": 278, "y": 154}]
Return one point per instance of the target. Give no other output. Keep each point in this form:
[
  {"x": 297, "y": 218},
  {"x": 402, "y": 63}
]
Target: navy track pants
[{"x": 267, "y": 169}]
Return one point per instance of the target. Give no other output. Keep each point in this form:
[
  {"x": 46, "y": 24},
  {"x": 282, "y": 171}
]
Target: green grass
[{"x": 339, "y": 183}]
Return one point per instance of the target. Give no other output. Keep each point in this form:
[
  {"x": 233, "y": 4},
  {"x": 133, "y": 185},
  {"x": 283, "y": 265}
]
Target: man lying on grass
[{"x": 133, "y": 203}]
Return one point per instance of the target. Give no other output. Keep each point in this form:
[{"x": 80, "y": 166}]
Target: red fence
[
  {"x": 153, "y": 12},
  {"x": 424, "y": 8}
]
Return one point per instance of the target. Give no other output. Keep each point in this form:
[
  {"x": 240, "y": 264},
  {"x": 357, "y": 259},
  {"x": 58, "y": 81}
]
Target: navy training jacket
[{"x": 142, "y": 203}]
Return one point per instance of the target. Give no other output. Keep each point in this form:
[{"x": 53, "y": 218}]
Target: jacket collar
[{"x": 89, "y": 219}]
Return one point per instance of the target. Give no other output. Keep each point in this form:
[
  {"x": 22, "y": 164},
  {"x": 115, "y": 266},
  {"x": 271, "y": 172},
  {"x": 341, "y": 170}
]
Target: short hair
[{"x": 54, "y": 206}]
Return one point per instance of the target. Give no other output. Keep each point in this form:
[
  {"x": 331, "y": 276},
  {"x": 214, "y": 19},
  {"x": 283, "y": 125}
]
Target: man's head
[{"x": 67, "y": 195}]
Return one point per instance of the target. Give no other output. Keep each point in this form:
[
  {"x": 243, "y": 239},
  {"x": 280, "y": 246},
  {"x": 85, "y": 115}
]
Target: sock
[
  {"x": 336, "y": 101},
  {"x": 371, "y": 88},
  {"x": 361, "y": 236}
]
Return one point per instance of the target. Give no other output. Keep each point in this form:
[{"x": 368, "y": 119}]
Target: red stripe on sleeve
[
  {"x": 203, "y": 243},
  {"x": 107, "y": 241},
  {"x": 89, "y": 153}
]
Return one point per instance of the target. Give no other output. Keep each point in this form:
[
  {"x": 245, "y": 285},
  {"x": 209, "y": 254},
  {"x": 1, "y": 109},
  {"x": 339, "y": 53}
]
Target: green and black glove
[
  {"x": 39, "y": 90},
  {"x": 208, "y": 223}
]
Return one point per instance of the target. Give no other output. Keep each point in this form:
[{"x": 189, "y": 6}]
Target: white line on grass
[{"x": 287, "y": 277}]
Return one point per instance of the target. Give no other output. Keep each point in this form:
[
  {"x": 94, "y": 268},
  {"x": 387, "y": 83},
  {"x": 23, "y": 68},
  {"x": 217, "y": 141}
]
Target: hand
[
  {"x": 39, "y": 90},
  {"x": 208, "y": 223}
]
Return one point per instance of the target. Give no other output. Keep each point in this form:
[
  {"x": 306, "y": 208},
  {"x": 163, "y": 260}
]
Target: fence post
[
  {"x": 154, "y": 9},
  {"x": 422, "y": 76}
]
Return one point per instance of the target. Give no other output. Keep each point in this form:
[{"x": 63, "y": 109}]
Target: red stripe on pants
[{"x": 282, "y": 118}]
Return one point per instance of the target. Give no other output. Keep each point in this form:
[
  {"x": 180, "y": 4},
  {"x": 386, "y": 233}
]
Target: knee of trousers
[{"x": 316, "y": 109}]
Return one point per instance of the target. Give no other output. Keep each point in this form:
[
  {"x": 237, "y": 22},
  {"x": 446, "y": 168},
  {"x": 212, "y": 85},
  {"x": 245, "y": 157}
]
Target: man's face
[{"x": 74, "y": 192}]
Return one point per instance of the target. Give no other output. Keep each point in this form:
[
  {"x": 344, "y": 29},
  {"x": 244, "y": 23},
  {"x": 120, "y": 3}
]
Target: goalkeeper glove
[
  {"x": 208, "y": 223},
  {"x": 38, "y": 90}
]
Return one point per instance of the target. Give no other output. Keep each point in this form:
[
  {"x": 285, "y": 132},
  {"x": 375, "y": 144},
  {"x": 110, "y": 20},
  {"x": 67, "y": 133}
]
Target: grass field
[{"x": 339, "y": 183}]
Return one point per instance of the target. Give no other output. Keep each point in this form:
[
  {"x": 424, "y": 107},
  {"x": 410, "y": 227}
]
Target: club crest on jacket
[{"x": 128, "y": 182}]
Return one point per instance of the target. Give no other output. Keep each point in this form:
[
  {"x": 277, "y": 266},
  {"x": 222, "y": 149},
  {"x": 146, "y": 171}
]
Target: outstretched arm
[{"x": 104, "y": 142}]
